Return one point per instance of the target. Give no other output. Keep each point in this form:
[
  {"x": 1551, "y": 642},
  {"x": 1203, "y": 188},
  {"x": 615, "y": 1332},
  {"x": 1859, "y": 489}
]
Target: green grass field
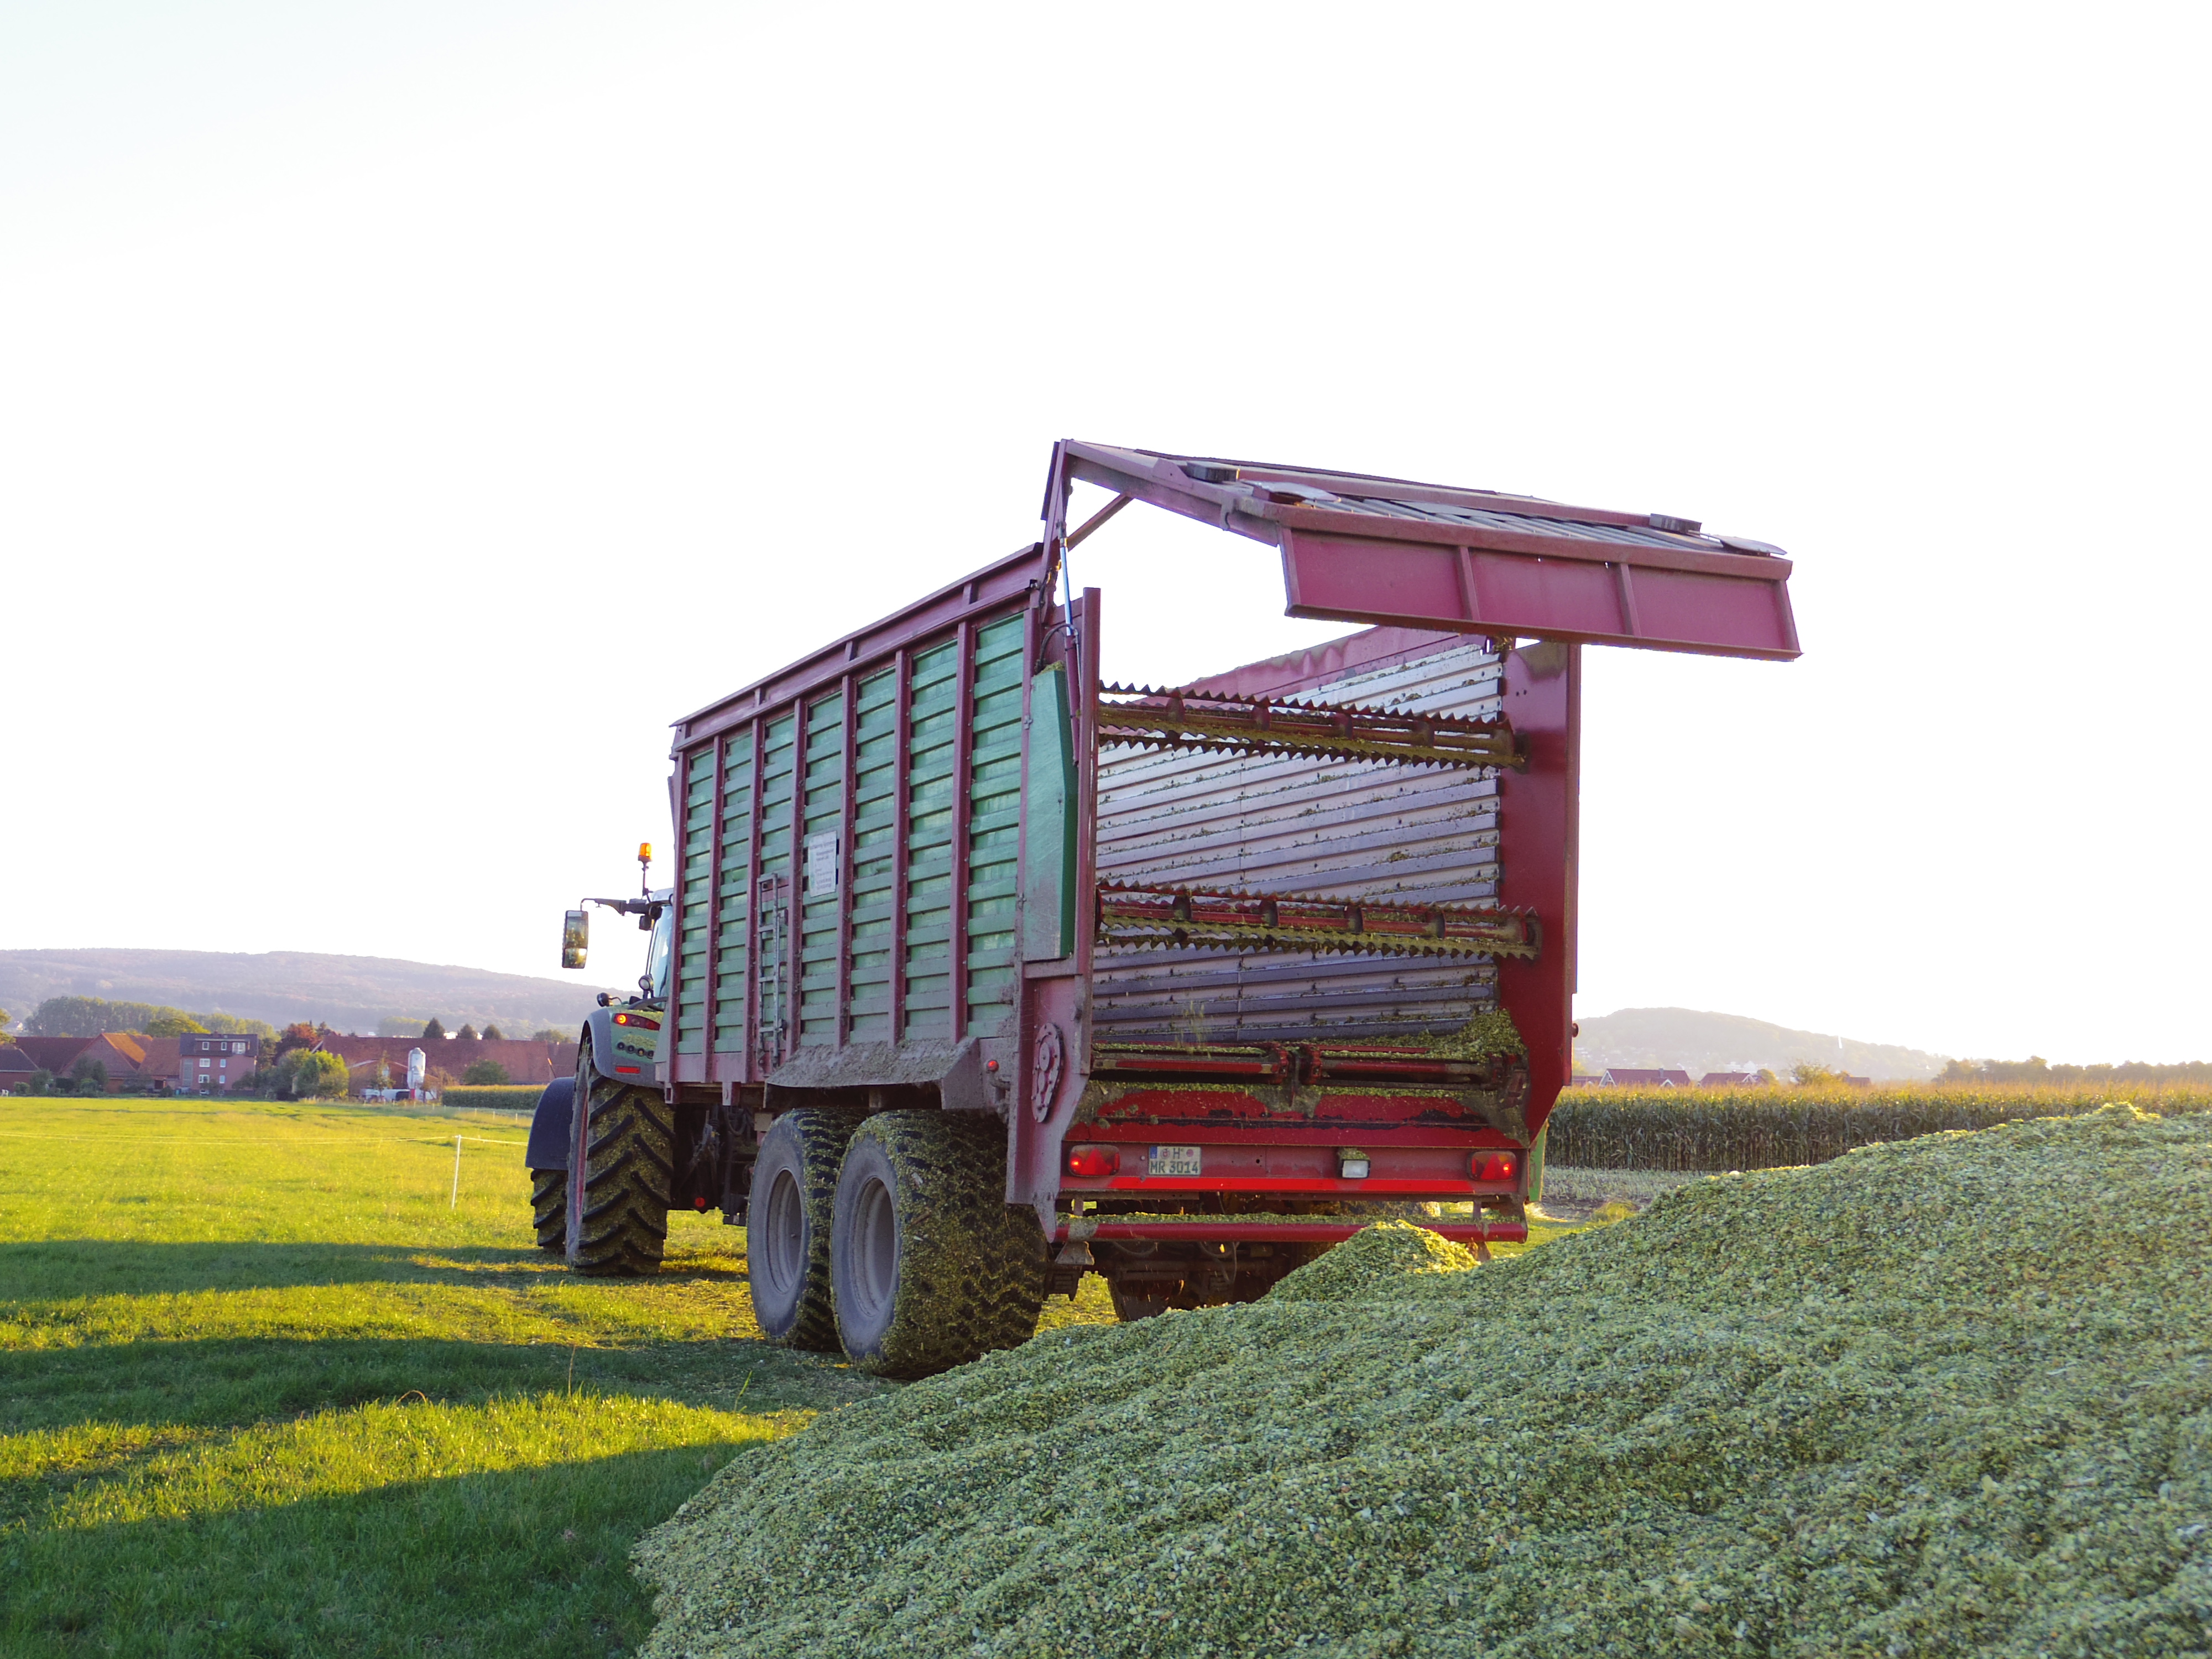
[{"x": 266, "y": 1387}]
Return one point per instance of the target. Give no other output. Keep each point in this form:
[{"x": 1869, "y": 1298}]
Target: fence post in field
[{"x": 456, "y": 1203}]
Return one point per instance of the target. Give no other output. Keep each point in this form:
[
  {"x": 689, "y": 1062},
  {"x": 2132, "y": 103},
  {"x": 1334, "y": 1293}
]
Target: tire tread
[
  {"x": 823, "y": 1132},
  {"x": 548, "y": 1207},
  {"x": 973, "y": 1270},
  {"x": 628, "y": 1150}
]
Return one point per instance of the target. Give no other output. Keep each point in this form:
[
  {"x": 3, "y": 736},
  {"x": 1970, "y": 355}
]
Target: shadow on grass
[
  {"x": 522, "y": 1561},
  {"x": 235, "y": 1381},
  {"x": 66, "y": 1268}
]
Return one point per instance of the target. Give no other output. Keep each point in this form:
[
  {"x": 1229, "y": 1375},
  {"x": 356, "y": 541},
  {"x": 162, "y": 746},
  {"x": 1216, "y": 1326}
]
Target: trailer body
[{"x": 1227, "y": 960}]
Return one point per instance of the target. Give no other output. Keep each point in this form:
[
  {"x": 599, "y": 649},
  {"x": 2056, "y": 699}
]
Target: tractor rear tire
[
  {"x": 618, "y": 1177},
  {"x": 787, "y": 1220},
  {"x": 932, "y": 1266},
  {"x": 548, "y": 1207}
]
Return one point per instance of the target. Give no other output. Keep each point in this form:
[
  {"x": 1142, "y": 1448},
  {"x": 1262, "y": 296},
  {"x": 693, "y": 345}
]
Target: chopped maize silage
[
  {"x": 1370, "y": 1258},
  {"x": 1946, "y": 1396}
]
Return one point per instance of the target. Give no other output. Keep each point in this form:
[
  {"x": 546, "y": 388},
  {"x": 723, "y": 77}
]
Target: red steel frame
[{"x": 1620, "y": 578}]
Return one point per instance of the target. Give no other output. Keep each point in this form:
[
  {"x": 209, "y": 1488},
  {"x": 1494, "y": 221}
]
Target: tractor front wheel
[{"x": 619, "y": 1166}]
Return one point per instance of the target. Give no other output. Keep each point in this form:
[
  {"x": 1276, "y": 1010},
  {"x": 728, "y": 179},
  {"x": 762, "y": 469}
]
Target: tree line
[{"x": 84, "y": 1017}]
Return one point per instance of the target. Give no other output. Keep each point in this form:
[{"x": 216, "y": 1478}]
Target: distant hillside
[
  {"x": 348, "y": 993},
  {"x": 1701, "y": 1042}
]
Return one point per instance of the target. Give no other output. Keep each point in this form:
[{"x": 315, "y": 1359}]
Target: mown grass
[{"x": 266, "y": 1389}]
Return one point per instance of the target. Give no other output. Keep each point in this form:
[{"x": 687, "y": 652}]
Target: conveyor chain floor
[
  {"x": 1140, "y": 717},
  {"x": 1141, "y": 916}
]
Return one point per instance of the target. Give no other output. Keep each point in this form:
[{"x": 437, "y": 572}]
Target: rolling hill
[
  {"x": 349, "y": 994},
  {"x": 1699, "y": 1043}
]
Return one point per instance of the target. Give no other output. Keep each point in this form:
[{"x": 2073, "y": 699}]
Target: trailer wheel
[
  {"x": 618, "y": 1176},
  {"x": 932, "y": 1266},
  {"x": 548, "y": 1207},
  {"x": 788, "y": 1220}
]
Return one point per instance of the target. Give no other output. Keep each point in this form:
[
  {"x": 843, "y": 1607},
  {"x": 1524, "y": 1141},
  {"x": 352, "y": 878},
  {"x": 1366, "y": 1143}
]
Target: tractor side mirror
[{"x": 576, "y": 938}]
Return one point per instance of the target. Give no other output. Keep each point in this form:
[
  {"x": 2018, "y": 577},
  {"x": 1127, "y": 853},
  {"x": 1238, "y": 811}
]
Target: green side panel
[
  {"x": 869, "y": 899},
  {"x": 1049, "y": 857},
  {"x": 772, "y": 932},
  {"x": 822, "y": 814},
  {"x": 933, "y": 711},
  {"x": 994, "y": 813},
  {"x": 695, "y": 912},
  {"x": 733, "y": 900}
]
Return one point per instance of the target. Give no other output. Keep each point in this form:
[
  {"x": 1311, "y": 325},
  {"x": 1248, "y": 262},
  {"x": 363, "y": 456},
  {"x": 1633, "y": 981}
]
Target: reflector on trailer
[{"x": 1091, "y": 1163}]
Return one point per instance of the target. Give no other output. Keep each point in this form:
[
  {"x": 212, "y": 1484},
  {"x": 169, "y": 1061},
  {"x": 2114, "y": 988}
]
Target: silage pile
[{"x": 1946, "y": 1396}]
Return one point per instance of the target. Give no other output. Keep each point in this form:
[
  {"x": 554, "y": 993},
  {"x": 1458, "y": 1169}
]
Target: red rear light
[
  {"x": 1090, "y": 1163},
  {"x": 1492, "y": 1166}
]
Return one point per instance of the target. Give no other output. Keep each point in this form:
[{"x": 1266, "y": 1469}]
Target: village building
[
  {"x": 122, "y": 1054},
  {"x": 1628, "y": 1077},
  {"x": 214, "y": 1061}
]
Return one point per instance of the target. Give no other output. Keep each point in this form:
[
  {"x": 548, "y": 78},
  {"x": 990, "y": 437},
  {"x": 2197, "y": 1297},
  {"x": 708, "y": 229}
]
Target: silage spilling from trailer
[
  {"x": 1370, "y": 1258},
  {"x": 1947, "y": 1396}
]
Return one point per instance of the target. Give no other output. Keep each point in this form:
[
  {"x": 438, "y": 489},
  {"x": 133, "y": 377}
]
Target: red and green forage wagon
[{"x": 983, "y": 970}]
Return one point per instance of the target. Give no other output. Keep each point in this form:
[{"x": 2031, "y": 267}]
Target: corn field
[{"x": 1784, "y": 1125}]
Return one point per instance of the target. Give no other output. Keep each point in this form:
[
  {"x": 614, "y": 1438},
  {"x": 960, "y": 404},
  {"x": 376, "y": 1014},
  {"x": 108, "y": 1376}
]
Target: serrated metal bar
[
  {"x": 1142, "y": 917},
  {"x": 1142, "y": 717}
]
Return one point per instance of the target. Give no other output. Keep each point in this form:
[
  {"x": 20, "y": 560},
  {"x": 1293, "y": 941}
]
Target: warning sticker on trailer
[
  {"x": 822, "y": 863},
  {"x": 1175, "y": 1161}
]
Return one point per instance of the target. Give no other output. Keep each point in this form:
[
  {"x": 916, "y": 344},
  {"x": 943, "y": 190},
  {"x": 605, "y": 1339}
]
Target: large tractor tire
[
  {"x": 619, "y": 1168},
  {"x": 548, "y": 1207},
  {"x": 787, "y": 1216},
  {"x": 931, "y": 1267}
]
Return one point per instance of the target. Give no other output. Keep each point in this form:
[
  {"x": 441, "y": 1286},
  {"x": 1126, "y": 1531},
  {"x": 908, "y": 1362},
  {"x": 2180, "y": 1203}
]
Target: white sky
[{"x": 406, "y": 410}]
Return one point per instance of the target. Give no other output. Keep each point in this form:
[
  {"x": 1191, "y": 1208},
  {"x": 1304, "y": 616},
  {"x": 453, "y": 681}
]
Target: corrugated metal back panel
[{"x": 1334, "y": 827}]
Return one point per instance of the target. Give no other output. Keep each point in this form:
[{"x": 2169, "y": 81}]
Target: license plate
[{"x": 1175, "y": 1161}]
